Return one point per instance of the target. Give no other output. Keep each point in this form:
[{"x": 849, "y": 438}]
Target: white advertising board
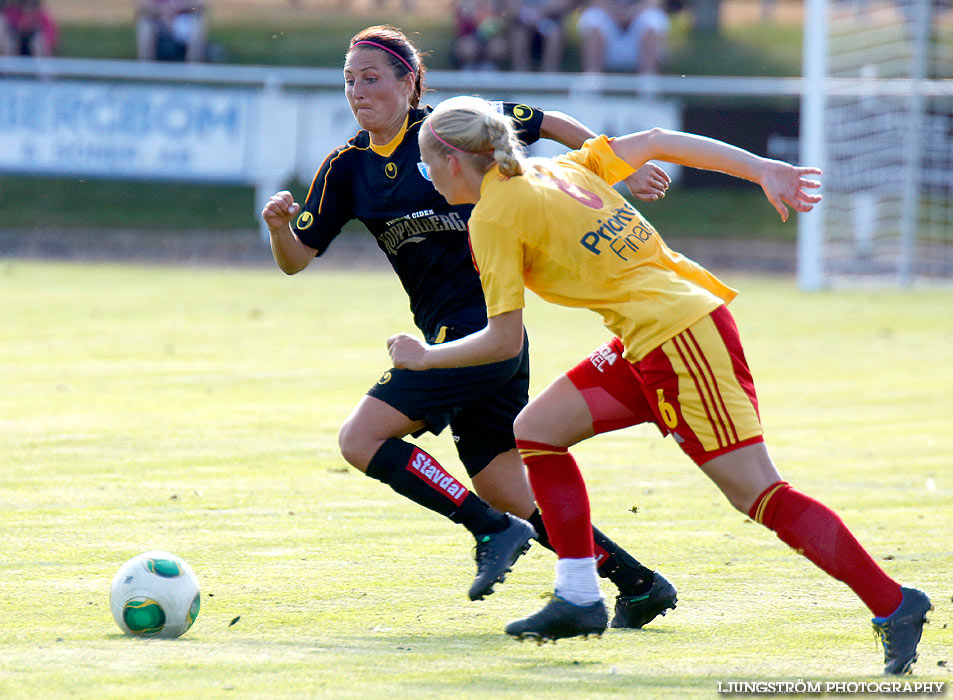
[{"x": 126, "y": 131}]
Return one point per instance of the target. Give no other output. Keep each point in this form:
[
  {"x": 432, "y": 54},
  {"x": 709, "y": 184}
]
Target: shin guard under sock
[
  {"x": 814, "y": 530},
  {"x": 561, "y": 494},
  {"x": 416, "y": 475}
]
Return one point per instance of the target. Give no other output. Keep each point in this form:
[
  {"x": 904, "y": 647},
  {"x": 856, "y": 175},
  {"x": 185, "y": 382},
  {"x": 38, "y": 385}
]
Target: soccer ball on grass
[{"x": 154, "y": 595}]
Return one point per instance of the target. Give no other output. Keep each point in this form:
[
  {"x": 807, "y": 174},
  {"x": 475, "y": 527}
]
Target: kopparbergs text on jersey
[
  {"x": 614, "y": 230},
  {"x": 405, "y": 228}
]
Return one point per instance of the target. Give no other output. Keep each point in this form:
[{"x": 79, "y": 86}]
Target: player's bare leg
[
  {"x": 370, "y": 440},
  {"x": 503, "y": 484},
  {"x": 557, "y": 418},
  {"x": 561, "y": 417},
  {"x": 753, "y": 485}
]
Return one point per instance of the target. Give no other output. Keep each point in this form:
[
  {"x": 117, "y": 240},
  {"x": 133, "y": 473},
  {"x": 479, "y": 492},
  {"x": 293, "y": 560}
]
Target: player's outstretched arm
[
  {"x": 783, "y": 184},
  {"x": 290, "y": 253},
  {"x": 648, "y": 183}
]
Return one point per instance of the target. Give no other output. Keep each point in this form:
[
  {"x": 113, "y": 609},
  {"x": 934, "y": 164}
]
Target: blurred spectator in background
[
  {"x": 171, "y": 30},
  {"x": 625, "y": 35},
  {"x": 538, "y": 29},
  {"x": 6, "y": 39},
  {"x": 480, "y": 39},
  {"x": 31, "y": 30}
]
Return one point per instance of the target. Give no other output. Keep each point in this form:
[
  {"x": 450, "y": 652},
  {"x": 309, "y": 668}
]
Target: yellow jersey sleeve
[{"x": 597, "y": 155}]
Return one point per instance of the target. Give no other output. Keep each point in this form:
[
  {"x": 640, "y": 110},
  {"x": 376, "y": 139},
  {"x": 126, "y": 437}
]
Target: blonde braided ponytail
[
  {"x": 505, "y": 145},
  {"x": 473, "y": 129}
]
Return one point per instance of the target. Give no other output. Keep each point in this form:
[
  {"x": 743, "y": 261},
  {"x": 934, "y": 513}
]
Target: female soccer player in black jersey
[{"x": 379, "y": 179}]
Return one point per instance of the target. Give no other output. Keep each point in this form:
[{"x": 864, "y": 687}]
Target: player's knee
[
  {"x": 529, "y": 426},
  {"x": 354, "y": 446},
  {"x": 738, "y": 502},
  {"x": 544, "y": 427},
  {"x": 741, "y": 497}
]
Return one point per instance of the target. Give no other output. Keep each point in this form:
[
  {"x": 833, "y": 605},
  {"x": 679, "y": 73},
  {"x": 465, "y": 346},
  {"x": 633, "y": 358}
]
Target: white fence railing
[{"x": 454, "y": 81}]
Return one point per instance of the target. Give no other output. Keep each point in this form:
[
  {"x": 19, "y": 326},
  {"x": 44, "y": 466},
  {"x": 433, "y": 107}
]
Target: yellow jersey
[{"x": 562, "y": 231}]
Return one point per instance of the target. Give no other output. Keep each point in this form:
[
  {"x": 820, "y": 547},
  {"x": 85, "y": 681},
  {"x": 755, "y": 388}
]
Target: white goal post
[{"x": 877, "y": 116}]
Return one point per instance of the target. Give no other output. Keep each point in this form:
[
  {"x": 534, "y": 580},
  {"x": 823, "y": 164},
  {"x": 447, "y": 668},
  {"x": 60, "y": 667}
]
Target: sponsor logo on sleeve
[
  {"x": 305, "y": 220},
  {"x": 523, "y": 113}
]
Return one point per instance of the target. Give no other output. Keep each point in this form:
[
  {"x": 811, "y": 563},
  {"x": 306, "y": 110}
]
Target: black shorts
[{"x": 478, "y": 403}]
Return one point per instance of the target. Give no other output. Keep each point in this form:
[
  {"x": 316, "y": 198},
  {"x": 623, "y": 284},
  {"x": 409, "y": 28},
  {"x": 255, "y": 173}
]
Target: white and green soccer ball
[{"x": 154, "y": 595}]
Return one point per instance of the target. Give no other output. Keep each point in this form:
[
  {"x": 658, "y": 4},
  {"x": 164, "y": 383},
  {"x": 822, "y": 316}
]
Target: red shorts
[{"x": 695, "y": 387}]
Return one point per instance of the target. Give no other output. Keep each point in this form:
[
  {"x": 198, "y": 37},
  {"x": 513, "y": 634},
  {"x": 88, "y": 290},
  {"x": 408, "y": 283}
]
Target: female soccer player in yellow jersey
[{"x": 557, "y": 227}]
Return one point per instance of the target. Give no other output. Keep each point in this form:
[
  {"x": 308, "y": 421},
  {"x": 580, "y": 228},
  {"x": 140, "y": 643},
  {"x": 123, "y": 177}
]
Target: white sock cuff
[{"x": 577, "y": 580}]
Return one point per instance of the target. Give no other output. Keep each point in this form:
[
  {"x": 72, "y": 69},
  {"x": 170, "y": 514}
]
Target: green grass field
[{"x": 196, "y": 410}]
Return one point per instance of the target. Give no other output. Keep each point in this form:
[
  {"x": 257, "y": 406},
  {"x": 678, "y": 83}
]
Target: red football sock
[
  {"x": 814, "y": 530},
  {"x": 561, "y": 496}
]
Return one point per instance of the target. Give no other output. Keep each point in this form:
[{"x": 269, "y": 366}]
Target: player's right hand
[
  {"x": 280, "y": 210},
  {"x": 407, "y": 352},
  {"x": 649, "y": 183},
  {"x": 784, "y": 183}
]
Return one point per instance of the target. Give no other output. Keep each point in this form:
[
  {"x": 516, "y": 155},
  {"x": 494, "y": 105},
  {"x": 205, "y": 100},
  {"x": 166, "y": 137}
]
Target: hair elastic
[{"x": 388, "y": 50}]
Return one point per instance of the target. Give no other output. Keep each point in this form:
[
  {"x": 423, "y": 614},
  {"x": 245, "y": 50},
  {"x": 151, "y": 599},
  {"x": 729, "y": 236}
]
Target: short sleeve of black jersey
[
  {"x": 329, "y": 203},
  {"x": 528, "y": 121}
]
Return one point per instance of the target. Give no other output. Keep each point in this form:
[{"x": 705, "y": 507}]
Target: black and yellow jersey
[{"x": 425, "y": 239}]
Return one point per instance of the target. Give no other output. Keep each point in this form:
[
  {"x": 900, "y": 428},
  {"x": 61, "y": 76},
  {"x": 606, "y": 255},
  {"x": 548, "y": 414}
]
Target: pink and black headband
[
  {"x": 450, "y": 145},
  {"x": 388, "y": 50},
  {"x": 445, "y": 143}
]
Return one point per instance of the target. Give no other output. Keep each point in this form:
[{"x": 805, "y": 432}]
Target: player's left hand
[
  {"x": 788, "y": 184},
  {"x": 648, "y": 183},
  {"x": 407, "y": 352}
]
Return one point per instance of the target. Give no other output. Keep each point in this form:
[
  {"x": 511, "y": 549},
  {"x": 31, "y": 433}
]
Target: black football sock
[
  {"x": 536, "y": 520},
  {"x": 479, "y": 517},
  {"x": 416, "y": 475},
  {"x": 620, "y": 567},
  {"x": 617, "y": 565}
]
